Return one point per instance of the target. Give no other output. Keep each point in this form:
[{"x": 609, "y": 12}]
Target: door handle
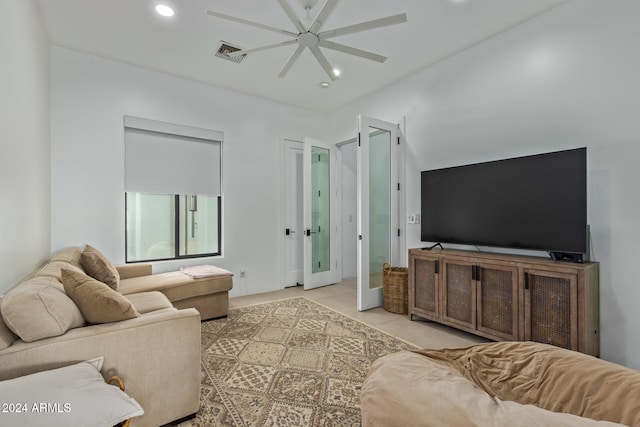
[{"x": 288, "y": 231}]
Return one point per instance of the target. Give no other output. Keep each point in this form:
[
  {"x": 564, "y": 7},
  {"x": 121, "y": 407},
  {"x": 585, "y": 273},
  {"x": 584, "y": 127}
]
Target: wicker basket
[
  {"x": 118, "y": 380},
  {"x": 395, "y": 281}
]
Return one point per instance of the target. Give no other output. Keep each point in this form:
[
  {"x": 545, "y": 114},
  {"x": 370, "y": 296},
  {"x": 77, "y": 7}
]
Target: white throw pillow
[{"x": 75, "y": 395}]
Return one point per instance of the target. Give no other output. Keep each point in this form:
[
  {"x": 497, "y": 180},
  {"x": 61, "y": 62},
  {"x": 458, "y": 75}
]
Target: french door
[
  {"x": 378, "y": 206},
  {"x": 293, "y": 213},
  {"x": 320, "y": 214}
]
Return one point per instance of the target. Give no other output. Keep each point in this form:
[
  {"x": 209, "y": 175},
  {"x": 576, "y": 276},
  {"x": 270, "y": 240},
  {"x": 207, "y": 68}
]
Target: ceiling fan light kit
[
  {"x": 310, "y": 37},
  {"x": 164, "y": 10}
]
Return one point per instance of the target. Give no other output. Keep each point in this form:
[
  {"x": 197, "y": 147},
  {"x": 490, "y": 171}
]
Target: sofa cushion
[
  {"x": 7, "y": 337},
  {"x": 70, "y": 255},
  {"x": 54, "y": 268},
  {"x": 74, "y": 395},
  {"x": 98, "y": 266},
  {"x": 127, "y": 271},
  {"x": 176, "y": 285},
  {"x": 39, "y": 308},
  {"x": 147, "y": 302},
  {"x": 97, "y": 301}
]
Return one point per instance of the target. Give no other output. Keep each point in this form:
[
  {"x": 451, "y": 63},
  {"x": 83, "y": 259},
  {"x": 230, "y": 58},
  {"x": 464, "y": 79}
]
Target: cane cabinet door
[
  {"x": 424, "y": 284},
  {"x": 497, "y": 292},
  {"x": 551, "y": 308},
  {"x": 459, "y": 292}
]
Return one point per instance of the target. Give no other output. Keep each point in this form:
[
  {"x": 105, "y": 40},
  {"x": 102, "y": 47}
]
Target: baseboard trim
[{"x": 181, "y": 420}]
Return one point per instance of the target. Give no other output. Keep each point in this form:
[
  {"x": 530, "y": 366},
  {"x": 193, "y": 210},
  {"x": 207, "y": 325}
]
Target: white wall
[
  {"x": 90, "y": 96},
  {"x": 566, "y": 79},
  {"x": 25, "y": 231}
]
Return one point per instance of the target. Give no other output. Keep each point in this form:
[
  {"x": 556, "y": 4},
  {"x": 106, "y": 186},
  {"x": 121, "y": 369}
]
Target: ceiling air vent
[{"x": 226, "y": 49}]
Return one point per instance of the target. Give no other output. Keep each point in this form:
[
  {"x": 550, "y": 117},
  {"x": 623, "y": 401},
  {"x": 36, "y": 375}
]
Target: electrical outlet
[
  {"x": 417, "y": 218},
  {"x": 411, "y": 219}
]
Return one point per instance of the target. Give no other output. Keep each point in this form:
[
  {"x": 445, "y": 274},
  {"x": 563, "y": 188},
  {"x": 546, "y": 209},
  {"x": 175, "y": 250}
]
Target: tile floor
[{"x": 342, "y": 298}]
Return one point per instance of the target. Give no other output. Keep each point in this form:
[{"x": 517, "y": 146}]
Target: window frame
[{"x": 176, "y": 234}]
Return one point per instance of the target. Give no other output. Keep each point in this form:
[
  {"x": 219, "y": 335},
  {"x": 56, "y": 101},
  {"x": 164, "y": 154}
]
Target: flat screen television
[{"x": 536, "y": 202}]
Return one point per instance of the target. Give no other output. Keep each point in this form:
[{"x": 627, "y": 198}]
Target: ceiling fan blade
[
  {"x": 291, "y": 61},
  {"x": 322, "y": 16},
  {"x": 364, "y": 26},
  {"x": 256, "y": 49},
  {"x": 323, "y": 61},
  {"x": 352, "y": 50},
  {"x": 292, "y": 16},
  {"x": 253, "y": 24}
]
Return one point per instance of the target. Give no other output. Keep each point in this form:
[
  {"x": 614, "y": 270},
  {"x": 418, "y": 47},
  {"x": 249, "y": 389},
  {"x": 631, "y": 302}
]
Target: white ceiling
[{"x": 183, "y": 45}]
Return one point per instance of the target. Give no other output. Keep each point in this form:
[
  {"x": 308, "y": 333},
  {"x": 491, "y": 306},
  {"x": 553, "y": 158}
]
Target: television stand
[{"x": 508, "y": 297}]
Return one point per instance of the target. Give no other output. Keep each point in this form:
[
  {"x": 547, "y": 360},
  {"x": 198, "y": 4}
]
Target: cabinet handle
[
  {"x": 526, "y": 280},
  {"x": 475, "y": 272},
  {"x": 436, "y": 267}
]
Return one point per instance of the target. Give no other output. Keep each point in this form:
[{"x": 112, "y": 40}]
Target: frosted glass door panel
[
  {"x": 379, "y": 203},
  {"x": 320, "y": 261},
  {"x": 321, "y": 210}
]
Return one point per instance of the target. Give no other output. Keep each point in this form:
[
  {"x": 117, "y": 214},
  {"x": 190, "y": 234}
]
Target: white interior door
[
  {"x": 294, "y": 221},
  {"x": 378, "y": 206},
  {"x": 320, "y": 219}
]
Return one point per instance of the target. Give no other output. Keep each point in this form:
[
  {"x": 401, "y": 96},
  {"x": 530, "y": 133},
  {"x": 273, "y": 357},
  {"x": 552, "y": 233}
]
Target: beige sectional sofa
[
  {"x": 209, "y": 295},
  {"x": 156, "y": 351}
]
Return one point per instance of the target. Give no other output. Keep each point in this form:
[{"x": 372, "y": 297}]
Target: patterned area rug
[{"x": 287, "y": 363}]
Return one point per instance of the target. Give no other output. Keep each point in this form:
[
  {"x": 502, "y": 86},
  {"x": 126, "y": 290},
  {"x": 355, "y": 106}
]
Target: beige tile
[{"x": 342, "y": 298}]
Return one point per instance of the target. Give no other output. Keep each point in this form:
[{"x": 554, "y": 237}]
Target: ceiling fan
[{"x": 312, "y": 38}]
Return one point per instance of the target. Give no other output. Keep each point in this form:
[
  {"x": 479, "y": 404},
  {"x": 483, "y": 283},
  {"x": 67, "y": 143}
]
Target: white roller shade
[{"x": 162, "y": 158}]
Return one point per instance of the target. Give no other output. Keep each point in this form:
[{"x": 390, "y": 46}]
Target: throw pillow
[
  {"x": 97, "y": 301},
  {"x": 74, "y": 395},
  {"x": 39, "y": 308},
  {"x": 98, "y": 266}
]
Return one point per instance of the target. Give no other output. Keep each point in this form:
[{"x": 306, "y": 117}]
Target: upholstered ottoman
[{"x": 501, "y": 384}]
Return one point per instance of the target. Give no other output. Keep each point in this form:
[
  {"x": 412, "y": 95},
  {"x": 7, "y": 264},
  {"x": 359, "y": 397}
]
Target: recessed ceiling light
[
  {"x": 324, "y": 85},
  {"x": 164, "y": 10},
  {"x": 336, "y": 72}
]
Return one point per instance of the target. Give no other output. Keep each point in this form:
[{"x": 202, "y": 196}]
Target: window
[{"x": 173, "y": 197}]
